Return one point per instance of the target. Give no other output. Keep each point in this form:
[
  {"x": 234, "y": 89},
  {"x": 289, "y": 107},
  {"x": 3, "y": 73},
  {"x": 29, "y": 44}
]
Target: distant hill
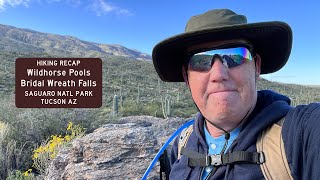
[
  {"x": 314, "y": 86},
  {"x": 26, "y": 41}
]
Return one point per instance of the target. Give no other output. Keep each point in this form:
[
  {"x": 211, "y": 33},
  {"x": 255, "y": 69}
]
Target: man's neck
[{"x": 216, "y": 132}]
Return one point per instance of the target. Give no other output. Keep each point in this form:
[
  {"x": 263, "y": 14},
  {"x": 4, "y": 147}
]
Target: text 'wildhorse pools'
[{"x": 58, "y": 82}]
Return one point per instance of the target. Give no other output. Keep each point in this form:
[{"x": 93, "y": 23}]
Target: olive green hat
[{"x": 271, "y": 40}]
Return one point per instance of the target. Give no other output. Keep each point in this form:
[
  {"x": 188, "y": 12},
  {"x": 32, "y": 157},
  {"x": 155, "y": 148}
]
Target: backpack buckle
[
  {"x": 261, "y": 157},
  {"x": 214, "y": 160}
]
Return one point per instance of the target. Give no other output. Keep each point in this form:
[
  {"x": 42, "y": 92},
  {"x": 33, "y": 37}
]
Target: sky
[{"x": 141, "y": 24}]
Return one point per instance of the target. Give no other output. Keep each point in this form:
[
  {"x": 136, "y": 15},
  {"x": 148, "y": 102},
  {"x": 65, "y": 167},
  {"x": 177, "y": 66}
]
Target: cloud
[
  {"x": 1, "y": 5},
  {"x": 101, "y": 7},
  {"x": 12, "y": 3}
]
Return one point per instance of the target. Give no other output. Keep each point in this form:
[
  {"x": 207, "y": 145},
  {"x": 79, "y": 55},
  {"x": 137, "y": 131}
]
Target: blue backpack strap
[{"x": 166, "y": 144}]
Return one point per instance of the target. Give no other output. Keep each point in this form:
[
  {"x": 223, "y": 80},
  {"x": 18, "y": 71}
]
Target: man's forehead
[{"x": 216, "y": 44}]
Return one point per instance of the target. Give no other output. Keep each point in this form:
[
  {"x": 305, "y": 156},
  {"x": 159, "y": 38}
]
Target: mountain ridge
[{"x": 22, "y": 40}]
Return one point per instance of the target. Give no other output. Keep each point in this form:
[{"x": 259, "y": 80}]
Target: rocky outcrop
[{"x": 115, "y": 151}]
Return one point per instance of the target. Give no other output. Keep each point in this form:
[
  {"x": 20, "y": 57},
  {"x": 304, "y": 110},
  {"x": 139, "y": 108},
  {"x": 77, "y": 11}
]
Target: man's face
[{"x": 225, "y": 95}]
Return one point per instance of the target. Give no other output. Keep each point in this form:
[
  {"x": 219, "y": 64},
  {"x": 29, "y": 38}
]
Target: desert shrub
[
  {"x": 30, "y": 127},
  {"x": 11, "y": 152},
  {"x": 45, "y": 153},
  {"x": 131, "y": 108},
  {"x": 179, "y": 109},
  {"x": 18, "y": 175},
  {"x": 4, "y": 130}
]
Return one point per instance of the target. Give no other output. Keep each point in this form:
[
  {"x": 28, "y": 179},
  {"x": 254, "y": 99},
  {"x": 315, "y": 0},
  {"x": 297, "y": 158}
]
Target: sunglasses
[{"x": 230, "y": 57}]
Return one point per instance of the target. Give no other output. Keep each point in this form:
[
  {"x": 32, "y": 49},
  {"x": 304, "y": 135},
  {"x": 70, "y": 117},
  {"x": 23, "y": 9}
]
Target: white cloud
[
  {"x": 12, "y": 3},
  {"x": 1, "y": 5},
  {"x": 101, "y": 7}
]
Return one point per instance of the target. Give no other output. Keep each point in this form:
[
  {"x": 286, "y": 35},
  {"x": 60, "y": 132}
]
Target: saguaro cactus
[
  {"x": 178, "y": 96},
  {"x": 138, "y": 95},
  {"x": 115, "y": 105},
  {"x": 166, "y": 106},
  {"x": 121, "y": 98}
]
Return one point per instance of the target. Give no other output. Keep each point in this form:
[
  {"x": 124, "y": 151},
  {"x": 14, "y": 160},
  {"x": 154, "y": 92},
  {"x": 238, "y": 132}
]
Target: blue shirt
[{"x": 216, "y": 144}]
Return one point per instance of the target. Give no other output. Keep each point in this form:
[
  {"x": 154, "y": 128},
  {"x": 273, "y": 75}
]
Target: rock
[{"x": 115, "y": 151}]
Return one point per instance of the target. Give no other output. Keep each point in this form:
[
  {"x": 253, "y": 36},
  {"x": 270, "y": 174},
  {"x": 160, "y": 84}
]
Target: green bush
[
  {"x": 131, "y": 108},
  {"x": 18, "y": 175},
  {"x": 30, "y": 127}
]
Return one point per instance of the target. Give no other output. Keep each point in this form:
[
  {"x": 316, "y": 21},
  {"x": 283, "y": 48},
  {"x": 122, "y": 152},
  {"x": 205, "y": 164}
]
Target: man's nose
[{"x": 218, "y": 71}]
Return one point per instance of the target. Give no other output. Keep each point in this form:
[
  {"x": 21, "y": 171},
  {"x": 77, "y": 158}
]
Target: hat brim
[{"x": 271, "y": 40}]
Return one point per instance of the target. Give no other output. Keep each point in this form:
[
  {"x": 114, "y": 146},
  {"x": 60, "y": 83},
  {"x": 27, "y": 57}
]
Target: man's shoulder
[
  {"x": 302, "y": 118},
  {"x": 305, "y": 111},
  {"x": 300, "y": 133}
]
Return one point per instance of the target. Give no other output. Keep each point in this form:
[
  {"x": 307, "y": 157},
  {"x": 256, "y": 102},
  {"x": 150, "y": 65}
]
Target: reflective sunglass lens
[
  {"x": 200, "y": 62},
  {"x": 230, "y": 57}
]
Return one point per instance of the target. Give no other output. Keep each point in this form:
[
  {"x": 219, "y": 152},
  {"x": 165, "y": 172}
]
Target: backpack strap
[
  {"x": 196, "y": 159},
  {"x": 164, "y": 165},
  {"x": 183, "y": 139},
  {"x": 270, "y": 142}
]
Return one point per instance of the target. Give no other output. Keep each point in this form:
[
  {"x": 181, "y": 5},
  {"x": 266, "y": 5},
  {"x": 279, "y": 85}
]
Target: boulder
[{"x": 122, "y": 150}]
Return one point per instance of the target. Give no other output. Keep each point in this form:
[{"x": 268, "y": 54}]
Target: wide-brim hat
[{"x": 271, "y": 40}]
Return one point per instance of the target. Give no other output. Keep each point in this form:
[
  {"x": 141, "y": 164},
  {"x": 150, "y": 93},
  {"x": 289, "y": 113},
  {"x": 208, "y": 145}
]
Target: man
[{"x": 220, "y": 57}]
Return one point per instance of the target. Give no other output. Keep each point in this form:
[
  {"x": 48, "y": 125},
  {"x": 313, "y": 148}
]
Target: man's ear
[{"x": 258, "y": 65}]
